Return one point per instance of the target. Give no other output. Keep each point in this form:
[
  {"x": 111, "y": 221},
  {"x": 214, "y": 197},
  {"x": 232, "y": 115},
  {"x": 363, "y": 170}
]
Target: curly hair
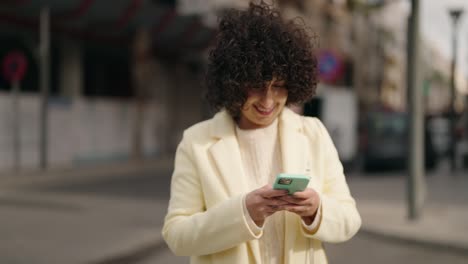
[{"x": 251, "y": 48}]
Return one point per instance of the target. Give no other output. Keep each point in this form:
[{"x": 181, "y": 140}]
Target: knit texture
[{"x": 261, "y": 161}]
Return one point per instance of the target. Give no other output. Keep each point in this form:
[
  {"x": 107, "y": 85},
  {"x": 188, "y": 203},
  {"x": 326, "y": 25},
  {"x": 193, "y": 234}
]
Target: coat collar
[
  {"x": 224, "y": 126},
  {"x": 226, "y": 153}
]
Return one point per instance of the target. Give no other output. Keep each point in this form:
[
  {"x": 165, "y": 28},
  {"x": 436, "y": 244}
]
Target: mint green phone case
[{"x": 291, "y": 182}]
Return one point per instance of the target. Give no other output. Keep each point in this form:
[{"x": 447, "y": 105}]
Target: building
[{"x": 122, "y": 74}]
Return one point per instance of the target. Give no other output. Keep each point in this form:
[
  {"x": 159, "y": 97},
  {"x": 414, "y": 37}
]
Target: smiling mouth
[{"x": 264, "y": 111}]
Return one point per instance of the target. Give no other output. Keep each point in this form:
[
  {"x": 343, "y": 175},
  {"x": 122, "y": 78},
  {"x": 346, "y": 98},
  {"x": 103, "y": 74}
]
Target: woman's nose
[{"x": 267, "y": 98}]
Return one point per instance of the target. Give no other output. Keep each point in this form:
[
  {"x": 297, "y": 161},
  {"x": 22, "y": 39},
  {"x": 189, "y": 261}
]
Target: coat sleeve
[
  {"x": 340, "y": 219},
  {"x": 189, "y": 228}
]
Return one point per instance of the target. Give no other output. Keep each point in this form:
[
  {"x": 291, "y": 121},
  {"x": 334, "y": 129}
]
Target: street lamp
[
  {"x": 416, "y": 184},
  {"x": 455, "y": 14}
]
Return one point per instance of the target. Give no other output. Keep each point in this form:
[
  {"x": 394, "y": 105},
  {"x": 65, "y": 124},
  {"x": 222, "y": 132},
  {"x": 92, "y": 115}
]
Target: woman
[{"x": 223, "y": 208}]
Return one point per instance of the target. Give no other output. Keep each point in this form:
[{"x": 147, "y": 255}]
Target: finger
[
  {"x": 276, "y": 202},
  {"x": 276, "y": 208},
  {"x": 267, "y": 191},
  {"x": 301, "y": 210},
  {"x": 304, "y": 194},
  {"x": 273, "y": 193},
  {"x": 297, "y": 201}
]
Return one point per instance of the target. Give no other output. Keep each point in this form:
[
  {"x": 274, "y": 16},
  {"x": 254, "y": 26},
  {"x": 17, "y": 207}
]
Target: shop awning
[{"x": 111, "y": 21}]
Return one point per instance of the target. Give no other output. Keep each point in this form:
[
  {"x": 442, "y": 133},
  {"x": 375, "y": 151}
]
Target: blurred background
[{"x": 95, "y": 95}]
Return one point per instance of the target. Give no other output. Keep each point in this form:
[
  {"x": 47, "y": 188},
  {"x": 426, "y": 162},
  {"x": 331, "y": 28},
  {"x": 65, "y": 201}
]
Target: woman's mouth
[{"x": 264, "y": 111}]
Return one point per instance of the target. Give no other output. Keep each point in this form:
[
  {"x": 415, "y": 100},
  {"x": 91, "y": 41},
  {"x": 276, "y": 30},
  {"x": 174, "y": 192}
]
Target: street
[
  {"x": 366, "y": 248},
  {"x": 98, "y": 97},
  {"x": 363, "y": 248}
]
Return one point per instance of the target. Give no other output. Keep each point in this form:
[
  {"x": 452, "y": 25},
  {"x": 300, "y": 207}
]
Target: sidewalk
[
  {"x": 441, "y": 226},
  {"x": 82, "y": 173},
  {"x": 76, "y": 228}
]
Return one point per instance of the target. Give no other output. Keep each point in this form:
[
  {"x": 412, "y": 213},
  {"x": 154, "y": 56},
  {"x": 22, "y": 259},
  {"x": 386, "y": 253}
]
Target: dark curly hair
[{"x": 252, "y": 47}]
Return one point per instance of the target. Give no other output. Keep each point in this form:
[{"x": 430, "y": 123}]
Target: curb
[{"x": 83, "y": 173}]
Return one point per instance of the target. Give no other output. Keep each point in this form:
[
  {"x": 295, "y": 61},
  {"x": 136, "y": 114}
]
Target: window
[{"x": 107, "y": 73}]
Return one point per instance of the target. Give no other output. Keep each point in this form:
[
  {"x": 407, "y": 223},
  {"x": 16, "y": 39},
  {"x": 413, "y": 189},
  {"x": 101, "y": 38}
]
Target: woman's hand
[
  {"x": 264, "y": 202},
  {"x": 305, "y": 204}
]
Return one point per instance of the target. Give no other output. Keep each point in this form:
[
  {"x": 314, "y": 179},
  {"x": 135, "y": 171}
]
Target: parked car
[
  {"x": 462, "y": 140},
  {"x": 384, "y": 142},
  {"x": 439, "y": 127}
]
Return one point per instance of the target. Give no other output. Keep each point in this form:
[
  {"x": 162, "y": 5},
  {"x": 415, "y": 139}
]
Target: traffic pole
[
  {"x": 416, "y": 185},
  {"x": 455, "y": 15},
  {"x": 16, "y": 128},
  {"x": 14, "y": 68},
  {"x": 44, "y": 55}
]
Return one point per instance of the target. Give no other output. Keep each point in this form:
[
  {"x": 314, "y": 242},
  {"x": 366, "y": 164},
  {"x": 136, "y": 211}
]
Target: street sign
[
  {"x": 14, "y": 68},
  {"x": 330, "y": 66},
  {"x": 15, "y": 65}
]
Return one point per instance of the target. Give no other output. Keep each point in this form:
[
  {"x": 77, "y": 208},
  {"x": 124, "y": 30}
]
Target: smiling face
[{"x": 262, "y": 107}]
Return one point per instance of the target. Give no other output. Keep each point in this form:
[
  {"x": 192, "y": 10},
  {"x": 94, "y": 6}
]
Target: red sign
[
  {"x": 15, "y": 65},
  {"x": 331, "y": 66}
]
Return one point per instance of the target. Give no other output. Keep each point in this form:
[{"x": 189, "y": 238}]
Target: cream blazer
[{"x": 205, "y": 218}]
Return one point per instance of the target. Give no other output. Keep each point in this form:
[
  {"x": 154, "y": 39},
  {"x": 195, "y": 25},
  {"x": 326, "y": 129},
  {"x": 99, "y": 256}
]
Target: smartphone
[{"x": 291, "y": 182}]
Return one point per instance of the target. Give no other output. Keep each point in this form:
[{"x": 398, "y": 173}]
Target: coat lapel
[
  {"x": 226, "y": 154},
  {"x": 295, "y": 160},
  {"x": 293, "y": 143},
  {"x": 227, "y": 158}
]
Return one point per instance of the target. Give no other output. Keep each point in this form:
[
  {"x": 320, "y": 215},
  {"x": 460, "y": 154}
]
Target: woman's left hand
[{"x": 305, "y": 204}]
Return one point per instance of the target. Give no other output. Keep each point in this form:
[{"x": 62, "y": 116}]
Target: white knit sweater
[{"x": 261, "y": 160}]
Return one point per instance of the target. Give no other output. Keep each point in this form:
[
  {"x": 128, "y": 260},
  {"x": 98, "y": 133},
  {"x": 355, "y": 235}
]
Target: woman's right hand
[{"x": 264, "y": 202}]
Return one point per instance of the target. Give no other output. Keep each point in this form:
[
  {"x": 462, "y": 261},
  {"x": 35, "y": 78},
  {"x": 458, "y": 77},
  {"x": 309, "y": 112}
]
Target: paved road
[
  {"x": 361, "y": 249},
  {"x": 164, "y": 256},
  {"x": 364, "y": 248}
]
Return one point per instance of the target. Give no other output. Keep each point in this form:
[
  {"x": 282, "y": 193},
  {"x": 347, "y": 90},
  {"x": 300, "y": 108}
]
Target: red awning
[{"x": 110, "y": 20}]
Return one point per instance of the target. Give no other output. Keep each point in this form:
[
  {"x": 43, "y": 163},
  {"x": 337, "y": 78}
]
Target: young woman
[{"x": 223, "y": 208}]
